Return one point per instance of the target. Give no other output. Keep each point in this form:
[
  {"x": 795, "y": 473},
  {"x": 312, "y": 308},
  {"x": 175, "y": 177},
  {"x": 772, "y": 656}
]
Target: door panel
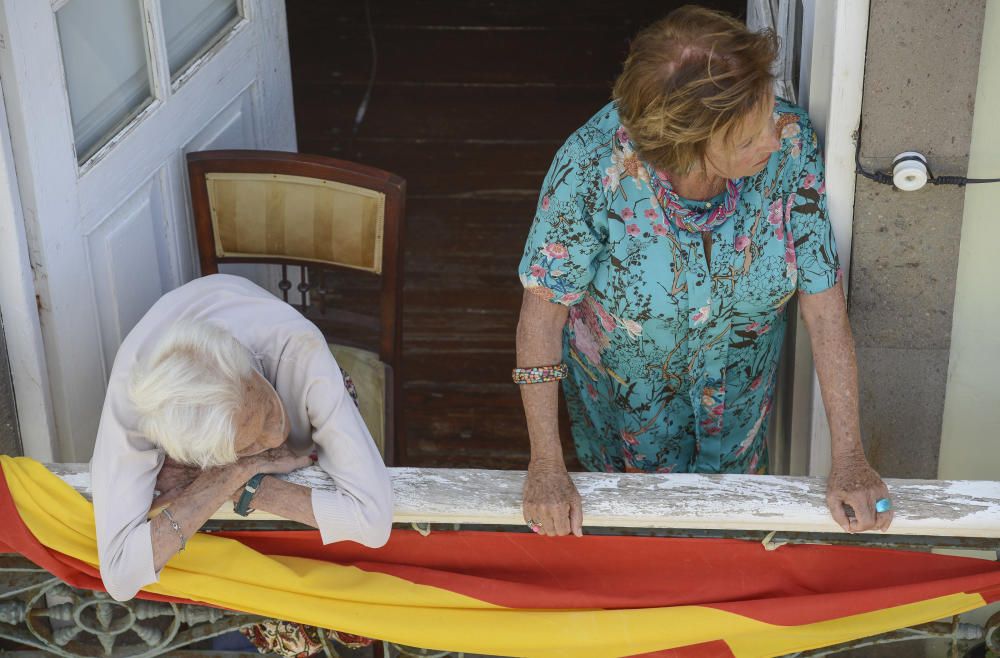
[
  {"x": 232, "y": 128},
  {"x": 131, "y": 263},
  {"x": 110, "y": 235}
]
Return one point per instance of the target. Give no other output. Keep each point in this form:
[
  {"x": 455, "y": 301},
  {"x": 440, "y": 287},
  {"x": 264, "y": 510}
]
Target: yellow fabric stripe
[
  {"x": 778, "y": 641},
  {"x": 226, "y": 573}
]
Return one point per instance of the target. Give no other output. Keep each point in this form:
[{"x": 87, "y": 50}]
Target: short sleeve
[
  {"x": 813, "y": 247},
  {"x": 569, "y": 233}
]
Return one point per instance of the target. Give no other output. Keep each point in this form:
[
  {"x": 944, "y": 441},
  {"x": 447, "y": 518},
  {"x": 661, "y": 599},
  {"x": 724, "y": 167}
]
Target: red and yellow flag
[{"x": 517, "y": 594}]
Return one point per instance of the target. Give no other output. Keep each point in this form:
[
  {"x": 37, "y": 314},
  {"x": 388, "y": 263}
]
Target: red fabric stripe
[
  {"x": 990, "y": 594},
  {"x": 793, "y": 585}
]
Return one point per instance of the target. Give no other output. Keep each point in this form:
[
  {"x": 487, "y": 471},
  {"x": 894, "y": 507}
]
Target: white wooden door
[{"x": 104, "y": 98}]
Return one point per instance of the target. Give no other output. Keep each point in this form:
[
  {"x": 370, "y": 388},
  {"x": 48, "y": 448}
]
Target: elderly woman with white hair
[{"x": 218, "y": 386}]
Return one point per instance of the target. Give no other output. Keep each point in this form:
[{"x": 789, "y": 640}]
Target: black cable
[
  {"x": 885, "y": 178},
  {"x": 877, "y": 176},
  {"x": 359, "y": 116},
  {"x": 961, "y": 180}
]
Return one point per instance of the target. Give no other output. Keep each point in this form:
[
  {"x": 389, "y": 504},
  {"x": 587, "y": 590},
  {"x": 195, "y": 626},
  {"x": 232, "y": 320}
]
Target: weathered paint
[{"x": 950, "y": 508}]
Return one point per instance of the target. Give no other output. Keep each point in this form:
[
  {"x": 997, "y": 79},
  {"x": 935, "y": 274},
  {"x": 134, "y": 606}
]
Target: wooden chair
[{"x": 316, "y": 214}]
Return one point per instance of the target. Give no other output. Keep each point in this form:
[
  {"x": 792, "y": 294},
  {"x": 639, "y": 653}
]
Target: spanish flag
[{"x": 518, "y": 594}]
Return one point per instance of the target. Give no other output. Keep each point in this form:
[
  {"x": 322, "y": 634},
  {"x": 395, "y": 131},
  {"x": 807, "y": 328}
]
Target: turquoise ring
[{"x": 883, "y": 505}]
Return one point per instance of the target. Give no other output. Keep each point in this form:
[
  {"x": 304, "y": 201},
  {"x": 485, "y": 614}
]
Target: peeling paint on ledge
[{"x": 636, "y": 500}]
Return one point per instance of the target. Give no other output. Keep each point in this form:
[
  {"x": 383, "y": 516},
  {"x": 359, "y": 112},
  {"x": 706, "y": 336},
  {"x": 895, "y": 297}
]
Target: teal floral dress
[{"x": 673, "y": 357}]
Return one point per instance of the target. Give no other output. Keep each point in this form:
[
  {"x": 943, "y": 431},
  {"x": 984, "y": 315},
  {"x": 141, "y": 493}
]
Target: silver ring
[{"x": 534, "y": 525}]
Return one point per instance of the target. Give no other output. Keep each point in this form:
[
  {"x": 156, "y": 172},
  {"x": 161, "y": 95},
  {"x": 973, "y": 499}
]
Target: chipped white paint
[
  {"x": 19, "y": 307},
  {"x": 689, "y": 501}
]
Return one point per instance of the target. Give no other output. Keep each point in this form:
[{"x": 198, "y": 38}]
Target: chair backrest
[{"x": 308, "y": 211}]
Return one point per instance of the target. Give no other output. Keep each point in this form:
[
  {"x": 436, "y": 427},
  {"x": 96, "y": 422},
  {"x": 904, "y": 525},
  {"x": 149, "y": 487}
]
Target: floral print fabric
[{"x": 673, "y": 356}]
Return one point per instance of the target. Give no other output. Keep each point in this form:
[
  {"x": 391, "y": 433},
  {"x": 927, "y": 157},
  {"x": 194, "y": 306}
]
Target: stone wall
[{"x": 919, "y": 94}]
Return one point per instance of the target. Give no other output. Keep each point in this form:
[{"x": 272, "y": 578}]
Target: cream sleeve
[
  {"x": 360, "y": 507},
  {"x": 123, "y": 474}
]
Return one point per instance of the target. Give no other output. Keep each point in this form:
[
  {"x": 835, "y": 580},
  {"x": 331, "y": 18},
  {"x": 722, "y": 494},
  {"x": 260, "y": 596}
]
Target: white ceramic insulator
[{"x": 909, "y": 175}]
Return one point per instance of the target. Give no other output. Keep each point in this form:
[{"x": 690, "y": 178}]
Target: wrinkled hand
[
  {"x": 275, "y": 460},
  {"x": 172, "y": 480},
  {"x": 854, "y": 483},
  {"x": 551, "y": 500}
]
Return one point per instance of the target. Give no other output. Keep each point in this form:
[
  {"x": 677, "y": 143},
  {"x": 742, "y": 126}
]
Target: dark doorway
[{"x": 469, "y": 103}]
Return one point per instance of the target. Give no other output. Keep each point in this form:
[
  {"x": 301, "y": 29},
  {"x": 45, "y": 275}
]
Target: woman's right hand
[
  {"x": 172, "y": 480},
  {"x": 175, "y": 475},
  {"x": 551, "y": 500}
]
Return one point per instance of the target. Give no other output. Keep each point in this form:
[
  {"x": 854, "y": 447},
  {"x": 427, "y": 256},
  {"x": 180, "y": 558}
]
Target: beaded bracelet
[{"x": 539, "y": 374}]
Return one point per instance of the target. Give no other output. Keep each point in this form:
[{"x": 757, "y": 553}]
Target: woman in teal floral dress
[{"x": 672, "y": 229}]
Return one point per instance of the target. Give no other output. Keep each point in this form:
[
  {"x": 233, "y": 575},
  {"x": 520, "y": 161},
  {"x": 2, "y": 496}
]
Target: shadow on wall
[{"x": 10, "y": 437}]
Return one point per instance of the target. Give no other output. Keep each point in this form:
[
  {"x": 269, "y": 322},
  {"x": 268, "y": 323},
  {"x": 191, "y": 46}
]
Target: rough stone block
[
  {"x": 920, "y": 78},
  {"x": 904, "y": 263},
  {"x": 902, "y": 404}
]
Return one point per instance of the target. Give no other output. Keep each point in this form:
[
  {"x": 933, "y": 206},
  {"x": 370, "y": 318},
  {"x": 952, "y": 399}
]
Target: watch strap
[{"x": 242, "y": 506}]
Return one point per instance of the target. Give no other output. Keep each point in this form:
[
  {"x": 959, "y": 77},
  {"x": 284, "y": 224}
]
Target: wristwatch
[{"x": 242, "y": 506}]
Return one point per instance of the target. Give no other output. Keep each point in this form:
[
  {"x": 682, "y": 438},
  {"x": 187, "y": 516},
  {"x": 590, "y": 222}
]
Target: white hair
[{"x": 188, "y": 391}]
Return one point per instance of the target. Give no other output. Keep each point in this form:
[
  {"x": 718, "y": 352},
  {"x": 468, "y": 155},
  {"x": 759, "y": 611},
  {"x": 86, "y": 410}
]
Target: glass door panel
[
  {"x": 107, "y": 73},
  {"x": 191, "y": 27}
]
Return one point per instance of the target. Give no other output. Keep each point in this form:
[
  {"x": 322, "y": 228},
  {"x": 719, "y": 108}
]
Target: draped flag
[{"x": 518, "y": 594}]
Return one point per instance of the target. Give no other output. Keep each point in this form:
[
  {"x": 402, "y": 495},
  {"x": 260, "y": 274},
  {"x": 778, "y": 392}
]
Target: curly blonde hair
[{"x": 690, "y": 76}]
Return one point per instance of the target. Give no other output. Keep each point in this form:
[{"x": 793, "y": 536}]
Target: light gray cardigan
[{"x": 294, "y": 358}]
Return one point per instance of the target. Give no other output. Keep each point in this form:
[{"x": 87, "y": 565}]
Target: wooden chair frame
[{"x": 202, "y": 163}]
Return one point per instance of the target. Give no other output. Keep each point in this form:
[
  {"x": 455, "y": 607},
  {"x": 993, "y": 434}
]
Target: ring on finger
[
  {"x": 535, "y": 526},
  {"x": 883, "y": 505}
]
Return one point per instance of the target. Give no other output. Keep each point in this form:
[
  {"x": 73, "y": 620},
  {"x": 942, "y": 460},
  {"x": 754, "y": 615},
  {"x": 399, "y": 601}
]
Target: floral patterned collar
[
  {"x": 625, "y": 158},
  {"x": 694, "y": 220}
]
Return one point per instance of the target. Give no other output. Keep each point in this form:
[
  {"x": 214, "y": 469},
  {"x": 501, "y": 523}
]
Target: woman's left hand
[
  {"x": 853, "y": 482},
  {"x": 172, "y": 480}
]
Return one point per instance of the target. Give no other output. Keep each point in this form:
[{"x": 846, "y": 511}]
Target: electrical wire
[
  {"x": 877, "y": 176},
  {"x": 359, "y": 116},
  {"x": 885, "y": 178}
]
